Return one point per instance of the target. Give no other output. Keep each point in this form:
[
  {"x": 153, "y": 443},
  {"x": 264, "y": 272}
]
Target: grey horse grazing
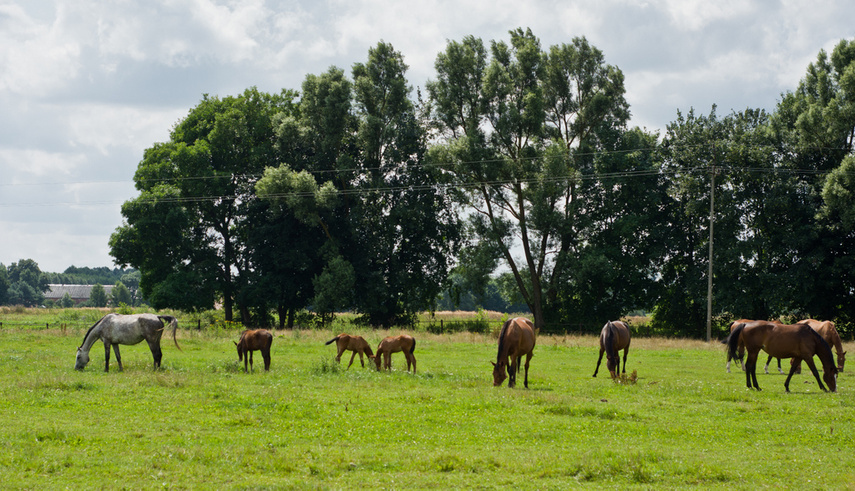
[{"x": 116, "y": 329}]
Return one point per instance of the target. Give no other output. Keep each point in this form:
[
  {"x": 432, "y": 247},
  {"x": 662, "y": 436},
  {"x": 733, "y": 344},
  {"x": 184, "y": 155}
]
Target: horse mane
[
  {"x": 608, "y": 340},
  {"x": 90, "y": 330},
  {"x": 502, "y": 339},
  {"x": 826, "y": 349}
]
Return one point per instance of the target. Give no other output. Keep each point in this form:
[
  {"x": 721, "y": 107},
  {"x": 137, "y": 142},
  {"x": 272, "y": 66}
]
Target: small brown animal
[
  {"x": 353, "y": 343},
  {"x": 393, "y": 344},
  {"x": 252, "y": 340},
  {"x": 517, "y": 338}
]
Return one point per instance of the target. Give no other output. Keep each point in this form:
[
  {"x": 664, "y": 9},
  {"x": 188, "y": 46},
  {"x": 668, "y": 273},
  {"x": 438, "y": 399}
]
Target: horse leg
[
  {"x": 625, "y": 354},
  {"x": 812, "y": 366},
  {"x": 250, "y": 360},
  {"x": 106, "y": 356},
  {"x": 265, "y": 353},
  {"x": 246, "y": 361},
  {"x": 527, "y": 361},
  {"x": 512, "y": 371},
  {"x": 156, "y": 353},
  {"x": 599, "y": 360},
  {"x": 340, "y": 352},
  {"x": 768, "y": 361},
  {"x": 792, "y": 371},
  {"x": 351, "y": 359},
  {"x": 750, "y": 367}
]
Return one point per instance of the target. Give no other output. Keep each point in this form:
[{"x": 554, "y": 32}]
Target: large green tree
[
  {"x": 353, "y": 170},
  {"x": 183, "y": 231},
  {"x": 514, "y": 125}
]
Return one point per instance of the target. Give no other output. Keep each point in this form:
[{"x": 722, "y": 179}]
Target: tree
[
  {"x": 183, "y": 231},
  {"x": 120, "y": 295},
  {"x": 4, "y": 285},
  {"x": 98, "y": 296},
  {"x": 66, "y": 302},
  {"x": 356, "y": 174},
  {"x": 514, "y": 127},
  {"x": 27, "y": 283}
]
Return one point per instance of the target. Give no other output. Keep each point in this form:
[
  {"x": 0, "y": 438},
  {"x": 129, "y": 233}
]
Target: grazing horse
[
  {"x": 353, "y": 343},
  {"x": 797, "y": 341},
  {"x": 116, "y": 329},
  {"x": 393, "y": 344},
  {"x": 613, "y": 338},
  {"x": 516, "y": 339},
  {"x": 252, "y": 340},
  {"x": 741, "y": 349},
  {"x": 829, "y": 333}
]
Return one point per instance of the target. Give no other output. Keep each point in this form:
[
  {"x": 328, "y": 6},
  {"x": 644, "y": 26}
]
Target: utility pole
[{"x": 710, "y": 272}]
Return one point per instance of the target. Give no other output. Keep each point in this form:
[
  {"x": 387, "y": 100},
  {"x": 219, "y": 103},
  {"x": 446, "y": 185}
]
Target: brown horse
[
  {"x": 516, "y": 339},
  {"x": 741, "y": 349},
  {"x": 829, "y": 333},
  {"x": 393, "y": 344},
  {"x": 613, "y": 338},
  {"x": 797, "y": 341},
  {"x": 353, "y": 343},
  {"x": 252, "y": 340}
]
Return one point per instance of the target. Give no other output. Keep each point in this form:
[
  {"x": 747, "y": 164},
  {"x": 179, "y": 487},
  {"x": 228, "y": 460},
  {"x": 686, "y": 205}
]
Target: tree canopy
[{"x": 517, "y": 176}]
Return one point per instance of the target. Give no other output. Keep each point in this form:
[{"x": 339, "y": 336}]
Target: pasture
[{"x": 201, "y": 422}]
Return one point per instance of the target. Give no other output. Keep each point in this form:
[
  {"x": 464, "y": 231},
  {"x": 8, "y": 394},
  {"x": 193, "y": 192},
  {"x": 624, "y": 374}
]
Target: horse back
[
  {"x": 520, "y": 336},
  {"x": 257, "y": 339},
  {"x": 780, "y": 340}
]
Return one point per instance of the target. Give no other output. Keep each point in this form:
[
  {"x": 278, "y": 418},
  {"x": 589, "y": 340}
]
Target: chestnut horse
[
  {"x": 393, "y": 344},
  {"x": 253, "y": 340},
  {"x": 829, "y": 333},
  {"x": 516, "y": 339},
  {"x": 353, "y": 343},
  {"x": 741, "y": 349},
  {"x": 797, "y": 341},
  {"x": 116, "y": 329},
  {"x": 613, "y": 338}
]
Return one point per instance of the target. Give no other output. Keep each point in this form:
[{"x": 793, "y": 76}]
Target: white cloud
[{"x": 87, "y": 85}]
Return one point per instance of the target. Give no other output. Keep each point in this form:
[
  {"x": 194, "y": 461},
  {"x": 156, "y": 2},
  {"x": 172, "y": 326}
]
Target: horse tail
[
  {"x": 608, "y": 339},
  {"x": 173, "y": 323},
  {"x": 413, "y": 348},
  {"x": 331, "y": 341},
  {"x": 732, "y": 341}
]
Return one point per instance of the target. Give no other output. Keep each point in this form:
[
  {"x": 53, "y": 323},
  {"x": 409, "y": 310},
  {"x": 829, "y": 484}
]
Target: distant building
[{"x": 78, "y": 293}]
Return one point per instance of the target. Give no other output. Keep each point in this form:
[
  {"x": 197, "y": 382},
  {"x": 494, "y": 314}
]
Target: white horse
[{"x": 116, "y": 329}]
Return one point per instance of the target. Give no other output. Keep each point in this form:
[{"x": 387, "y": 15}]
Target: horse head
[
  {"x": 239, "y": 349},
  {"x": 499, "y": 373},
  {"x": 82, "y": 359},
  {"x": 830, "y": 377}
]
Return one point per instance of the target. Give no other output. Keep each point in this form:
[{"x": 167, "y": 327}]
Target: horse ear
[
  {"x": 493, "y": 362},
  {"x": 235, "y": 343}
]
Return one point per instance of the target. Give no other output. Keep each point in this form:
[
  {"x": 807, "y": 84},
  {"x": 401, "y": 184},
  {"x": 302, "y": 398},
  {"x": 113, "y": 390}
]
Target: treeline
[
  {"x": 356, "y": 194},
  {"x": 24, "y": 283}
]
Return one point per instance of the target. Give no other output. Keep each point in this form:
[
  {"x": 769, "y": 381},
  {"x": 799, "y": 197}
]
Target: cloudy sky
[{"x": 86, "y": 86}]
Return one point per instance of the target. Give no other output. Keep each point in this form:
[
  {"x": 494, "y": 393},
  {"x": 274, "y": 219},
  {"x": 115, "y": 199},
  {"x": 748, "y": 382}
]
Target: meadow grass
[{"x": 200, "y": 422}]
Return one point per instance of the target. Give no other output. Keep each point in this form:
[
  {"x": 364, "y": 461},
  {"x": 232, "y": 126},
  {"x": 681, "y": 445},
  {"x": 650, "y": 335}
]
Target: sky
[{"x": 86, "y": 86}]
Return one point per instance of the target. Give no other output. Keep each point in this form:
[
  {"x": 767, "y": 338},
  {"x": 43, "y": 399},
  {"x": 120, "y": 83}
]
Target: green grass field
[{"x": 200, "y": 422}]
